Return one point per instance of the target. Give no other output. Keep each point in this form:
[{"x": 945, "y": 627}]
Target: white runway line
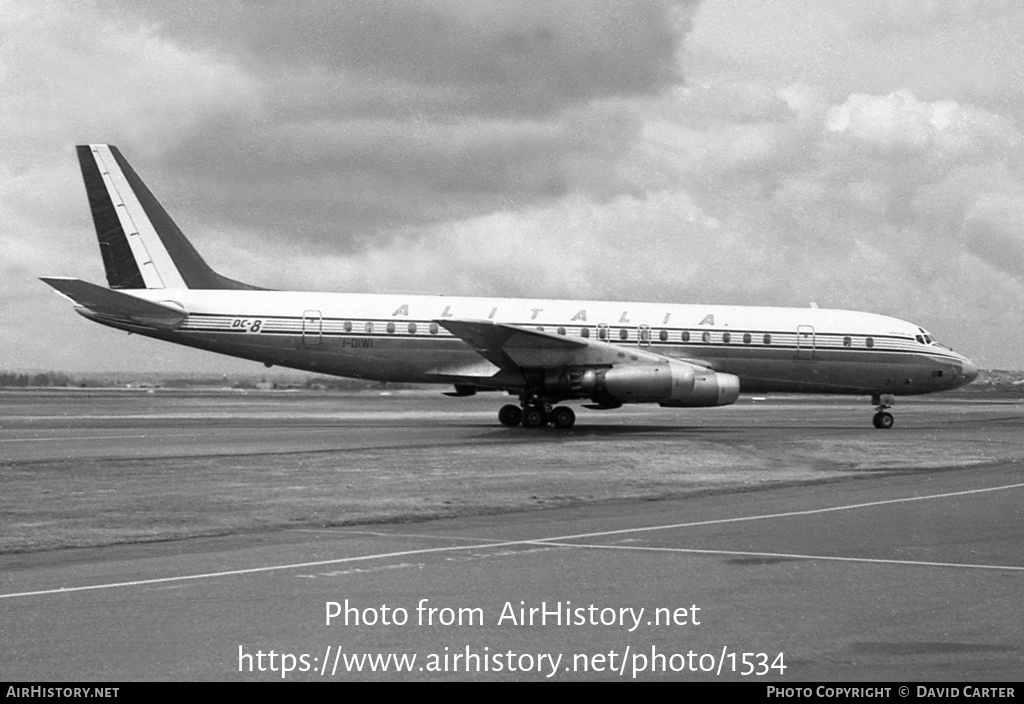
[
  {"x": 786, "y": 514},
  {"x": 103, "y": 437},
  {"x": 554, "y": 540},
  {"x": 270, "y": 568},
  {"x": 382, "y": 534},
  {"x": 790, "y": 556}
]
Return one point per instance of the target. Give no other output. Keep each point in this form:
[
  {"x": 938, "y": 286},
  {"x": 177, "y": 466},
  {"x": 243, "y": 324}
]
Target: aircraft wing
[
  {"x": 512, "y": 346},
  {"x": 99, "y": 302}
]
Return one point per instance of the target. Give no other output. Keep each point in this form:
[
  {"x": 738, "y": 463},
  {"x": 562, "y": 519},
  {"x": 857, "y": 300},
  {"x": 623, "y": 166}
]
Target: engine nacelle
[
  {"x": 709, "y": 389},
  {"x": 669, "y": 384}
]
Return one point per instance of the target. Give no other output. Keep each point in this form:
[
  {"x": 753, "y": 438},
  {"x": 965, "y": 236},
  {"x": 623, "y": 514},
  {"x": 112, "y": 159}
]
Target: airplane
[{"x": 546, "y": 352}]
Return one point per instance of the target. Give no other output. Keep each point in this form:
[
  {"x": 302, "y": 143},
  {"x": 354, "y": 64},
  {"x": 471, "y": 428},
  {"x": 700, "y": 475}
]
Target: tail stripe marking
[
  {"x": 143, "y": 260},
  {"x": 118, "y": 258},
  {"x": 154, "y": 262}
]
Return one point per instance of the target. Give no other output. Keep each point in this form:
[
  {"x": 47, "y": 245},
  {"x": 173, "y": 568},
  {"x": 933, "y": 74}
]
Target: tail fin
[{"x": 141, "y": 245}]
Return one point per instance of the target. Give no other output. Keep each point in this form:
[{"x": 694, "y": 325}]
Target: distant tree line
[
  {"x": 316, "y": 383},
  {"x": 43, "y": 379}
]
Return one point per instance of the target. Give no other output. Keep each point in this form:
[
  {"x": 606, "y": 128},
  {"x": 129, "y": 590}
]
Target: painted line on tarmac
[
  {"x": 510, "y": 543},
  {"x": 102, "y": 437},
  {"x": 382, "y": 534},
  {"x": 786, "y": 514},
  {"x": 788, "y": 556},
  {"x": 269, "y": 568}
]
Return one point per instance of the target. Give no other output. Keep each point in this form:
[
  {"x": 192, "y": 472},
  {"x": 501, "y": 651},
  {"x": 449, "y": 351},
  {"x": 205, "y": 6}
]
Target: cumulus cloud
[
  {"x": 531, "y": 149},
  {"x": 373, "y": 115},
  {"x": 994, "y": 230},
  {"x": 901, "y": 123},
  {"x": 493, "y": 56},
  {"x": 71, "y": 73},
  {"x": 922, "y": 16}
]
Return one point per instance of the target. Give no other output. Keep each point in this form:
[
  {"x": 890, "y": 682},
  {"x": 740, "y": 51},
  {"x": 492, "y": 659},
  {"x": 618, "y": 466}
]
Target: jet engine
[{"x": 671, "y": 383}]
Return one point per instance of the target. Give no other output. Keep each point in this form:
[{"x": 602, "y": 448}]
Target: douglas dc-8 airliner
[{"x": 544, "y": 351}]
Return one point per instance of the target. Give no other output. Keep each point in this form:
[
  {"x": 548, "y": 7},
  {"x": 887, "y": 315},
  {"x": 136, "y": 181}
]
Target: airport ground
[{"x": 171, "y": 535}]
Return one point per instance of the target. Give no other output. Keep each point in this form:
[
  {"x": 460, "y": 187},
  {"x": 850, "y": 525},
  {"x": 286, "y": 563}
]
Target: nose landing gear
[{"x": 883, "y": 420}]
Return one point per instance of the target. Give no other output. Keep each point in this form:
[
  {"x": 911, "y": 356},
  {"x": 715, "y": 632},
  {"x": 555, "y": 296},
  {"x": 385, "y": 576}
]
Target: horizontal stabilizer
[{"x": 100, "y": 302}]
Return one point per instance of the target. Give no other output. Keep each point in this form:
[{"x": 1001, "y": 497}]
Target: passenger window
[
  {"x": 870, "y": 342},
  {"x": 706, "y": 337},
  {"x": 663, "y": 335},
  {"x": 561, "y": 331},
  {"x": 686, "y": 335},
  {"x": 726, "y": 337},
  {"x": 847, "y": 341},
  {"x": 348, "y": 326},
  {"x": 433, "y": 328},
  {"x": 746, "y": 338},
  {"x": 412, "y": 328},
  {"x": 767, "y": 339},
  {"x": 369, "y": 327},
  {"x": 584, "y": 332},
  {"x": 623, "y": 334},
  {"x": 602, "y": 333},
  {"x": 391, "y": 327}
]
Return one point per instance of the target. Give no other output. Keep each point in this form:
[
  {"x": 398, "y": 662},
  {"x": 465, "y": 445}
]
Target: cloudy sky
[{"x": 864, "y": 154}]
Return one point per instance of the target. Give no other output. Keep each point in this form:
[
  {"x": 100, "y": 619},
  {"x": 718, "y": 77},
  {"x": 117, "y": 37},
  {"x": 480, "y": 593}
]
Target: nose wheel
[{"x": 883, "y": 420}]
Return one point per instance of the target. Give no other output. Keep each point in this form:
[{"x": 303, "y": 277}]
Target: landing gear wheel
[
  {"x": 883, "y": 420},
  {"x": 510, "y": 415},
  {"x": 563, "y": 417},
  {"x": 534, "y": 417}
]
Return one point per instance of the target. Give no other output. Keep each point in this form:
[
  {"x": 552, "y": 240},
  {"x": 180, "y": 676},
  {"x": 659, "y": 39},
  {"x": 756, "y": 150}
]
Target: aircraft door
[
  {"x": 312, "y": 328},
  {"x": 804, "y": 342}
]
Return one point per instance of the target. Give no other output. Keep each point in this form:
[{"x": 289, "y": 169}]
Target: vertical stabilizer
[{"x": 141, "y": 245}]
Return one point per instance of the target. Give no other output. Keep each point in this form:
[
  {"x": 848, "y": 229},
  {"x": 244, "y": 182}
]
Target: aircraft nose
[{"x": 969, "y": 370}]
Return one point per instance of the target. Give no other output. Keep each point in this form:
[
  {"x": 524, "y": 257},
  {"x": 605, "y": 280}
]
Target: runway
[{"x": 902, "y": 559}]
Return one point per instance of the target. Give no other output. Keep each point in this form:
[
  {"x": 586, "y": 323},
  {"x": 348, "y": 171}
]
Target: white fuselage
[{"x": 402, "y": 338}]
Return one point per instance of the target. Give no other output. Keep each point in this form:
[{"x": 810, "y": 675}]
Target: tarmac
[{"x": 908, "y": 566}]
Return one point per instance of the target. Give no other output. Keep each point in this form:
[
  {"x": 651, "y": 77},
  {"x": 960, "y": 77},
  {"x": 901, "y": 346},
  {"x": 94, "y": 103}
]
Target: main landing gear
[
  {"x": 883, "y": 420},
  {"x": 537, "y": 415}
]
